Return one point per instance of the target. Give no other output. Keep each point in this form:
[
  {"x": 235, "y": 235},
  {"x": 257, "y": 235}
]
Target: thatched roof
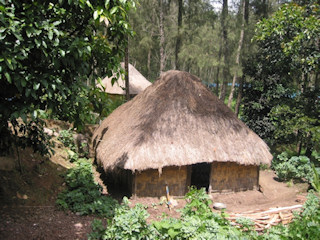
[
  {"x": 137, "y": 83},
  {"x": 176, "y": 121}
]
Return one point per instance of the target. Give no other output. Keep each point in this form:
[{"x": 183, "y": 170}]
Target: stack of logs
[{"x": 265, "y": 219}]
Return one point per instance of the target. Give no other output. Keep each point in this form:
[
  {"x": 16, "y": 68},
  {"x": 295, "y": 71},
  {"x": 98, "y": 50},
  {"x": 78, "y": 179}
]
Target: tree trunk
[
  {"x": 224, "y": 16},
  {"x": 126, "y": 66},
  {"x": 238, "y": 54},
  {"x": 162, "y": 37},
  {"x": 246, "y": 11},
  {"x": 149, "y": 63},
  {"x": 218, "y": 68},
  {"x": 178, "y": 43},
  {"x": 239, "y": 97}
]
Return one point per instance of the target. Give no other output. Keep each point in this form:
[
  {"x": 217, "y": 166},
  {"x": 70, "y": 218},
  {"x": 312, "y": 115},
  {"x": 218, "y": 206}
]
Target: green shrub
[
  {"x": 127, "y": 223},
  {"x": 83, "y": 195},
  {"x": 297, "y": 167},
  {"x": 168, "y": 228},
  {"x": 198, "y": 203},
  {"x": 66, "y": 137}
]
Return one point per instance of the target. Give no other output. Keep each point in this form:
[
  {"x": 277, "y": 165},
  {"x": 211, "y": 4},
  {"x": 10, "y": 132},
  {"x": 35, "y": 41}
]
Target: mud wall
[
  {"x": 227, "y": 177},
  {"x": 150, "y": 183}
]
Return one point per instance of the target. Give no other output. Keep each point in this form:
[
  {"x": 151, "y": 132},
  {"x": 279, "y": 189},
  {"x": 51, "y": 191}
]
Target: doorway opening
[{"x": 200, "y": 175}]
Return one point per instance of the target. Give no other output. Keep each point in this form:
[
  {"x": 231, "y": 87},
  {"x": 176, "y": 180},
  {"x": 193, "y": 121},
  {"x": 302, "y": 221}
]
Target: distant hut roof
[
  {"x": 137, "y": 83},
  {"x": 176, "y": 121}
]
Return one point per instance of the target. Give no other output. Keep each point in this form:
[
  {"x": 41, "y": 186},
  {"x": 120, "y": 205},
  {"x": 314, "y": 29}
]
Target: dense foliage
[
  {"x": 295, "y": 167},
  {"x": 199, "y": 222},
  {"x": 281, "y": 101},
  {"x": 83, "y": 195},
  {"x": 51, "y": 51}
]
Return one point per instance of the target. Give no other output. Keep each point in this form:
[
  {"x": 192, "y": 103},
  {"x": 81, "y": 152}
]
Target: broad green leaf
[
  {"x": 50, "y": 34},
  {"x": 9, "y": 63},
  {"x": 8, "y": 77},
  {"x": 36, "y": 86},
  {"x": 23, "y": 82},
  {"x": 95, "y": 15},
  {"x": 113, "y": 10}
]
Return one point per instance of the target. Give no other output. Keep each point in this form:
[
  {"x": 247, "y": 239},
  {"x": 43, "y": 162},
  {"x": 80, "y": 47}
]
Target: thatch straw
[
  {"x": 137, "y": 83},
  {"x": 176, "y": 121}
]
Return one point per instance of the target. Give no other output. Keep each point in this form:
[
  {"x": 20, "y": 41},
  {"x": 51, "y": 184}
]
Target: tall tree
[
  {"x": 282, "y": 101},
  {"x": 162, "y": 37},
  {"x": 226, "y": 50},
  {"x": 237, "y": 61},
  {"x": 178, "y": 42}
]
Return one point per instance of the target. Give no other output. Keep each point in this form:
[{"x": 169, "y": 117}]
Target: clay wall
[
  {"x": 150, "y": 183},
  {"x": 227, "y": 177}
]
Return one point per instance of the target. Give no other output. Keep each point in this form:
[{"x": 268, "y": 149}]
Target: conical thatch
[
  {"x": 176, "y": 121},
  {"x": 137, "y": 83}
]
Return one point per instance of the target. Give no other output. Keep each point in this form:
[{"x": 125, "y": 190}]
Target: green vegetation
[
  {"x": 127, "y": 223},
  {"x": 281, "y": 97},
  {"x": 52, "y": 53},
  {"x": 299, "y": 168},
  {"x": 199, "y": 222},
  {"x": 66, "y": 137},
  {"x": 82, "y": 194},
  {"x": 305, "y": 225}
]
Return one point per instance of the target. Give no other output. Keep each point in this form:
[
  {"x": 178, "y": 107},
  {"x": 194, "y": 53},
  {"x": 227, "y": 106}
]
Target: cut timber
[
  {"x": 277, "y": 210},
  {"x": 265, "y": 219}
]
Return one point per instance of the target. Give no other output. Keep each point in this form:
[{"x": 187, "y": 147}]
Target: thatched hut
[
  {"x": 137, "y": 83},
  {"x": 178, "y": 133}
]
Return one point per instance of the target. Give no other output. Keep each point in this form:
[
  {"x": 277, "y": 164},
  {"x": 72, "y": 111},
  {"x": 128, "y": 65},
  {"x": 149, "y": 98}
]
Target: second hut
[{"x": 177, "y": 133}]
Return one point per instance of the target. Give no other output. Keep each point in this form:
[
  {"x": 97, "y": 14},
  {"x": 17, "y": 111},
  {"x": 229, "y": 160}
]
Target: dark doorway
[{"x": 200, "y": 175}]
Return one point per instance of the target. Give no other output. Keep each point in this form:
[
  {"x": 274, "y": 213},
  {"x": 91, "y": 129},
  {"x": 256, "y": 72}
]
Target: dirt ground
[{"x": 28, "y": 211}]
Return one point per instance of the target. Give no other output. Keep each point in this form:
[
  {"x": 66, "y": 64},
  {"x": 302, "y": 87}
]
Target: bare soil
[{"x": 28, "y": 211}]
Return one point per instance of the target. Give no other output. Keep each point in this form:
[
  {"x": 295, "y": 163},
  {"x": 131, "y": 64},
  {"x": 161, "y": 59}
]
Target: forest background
[{"x": 260, "y": 57}]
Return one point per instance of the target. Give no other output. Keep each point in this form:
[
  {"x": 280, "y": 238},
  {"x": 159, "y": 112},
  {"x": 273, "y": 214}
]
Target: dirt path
[{"x": 42, "y": 223}]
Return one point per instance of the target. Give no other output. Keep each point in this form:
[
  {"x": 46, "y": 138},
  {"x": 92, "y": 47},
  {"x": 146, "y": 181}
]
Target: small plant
[
  {"x": 83, "y": 195},
  {"x": 316, "y": 179},
  {"x": 127, "y": 223},
  {"x": 66, "y": 137},
  {"x": 198, "y": 203},
  {"x": 168, "y": 228},
  {"x": 246, "y": 224}
]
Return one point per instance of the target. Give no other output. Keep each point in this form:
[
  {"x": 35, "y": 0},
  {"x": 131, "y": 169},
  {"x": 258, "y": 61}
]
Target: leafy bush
[
  {"x": 198, "y": 203},
  {"x": 168, "y": 228},
  {"x": 128, "y": 223},
  {"x": 83, "y": 195},
  {"x": 297, "y": 167},
  {"x": 66, "y": 137}
]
